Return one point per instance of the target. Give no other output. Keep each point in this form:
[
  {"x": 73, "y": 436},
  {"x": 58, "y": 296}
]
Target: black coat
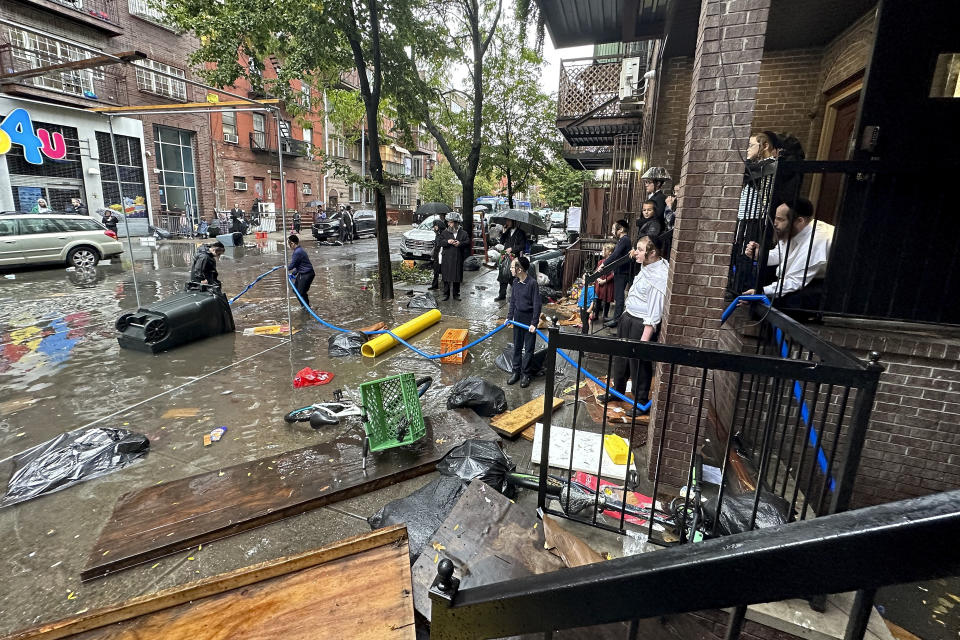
[
  {"x": 652, "y": 227},
  {"x": 110, "y": 222},
  {"x": 660, "y": 200},
  {"x": 204, "y": 267},
  {"x": 515, "y": 240},
  {"x": 451, "y": 265}
]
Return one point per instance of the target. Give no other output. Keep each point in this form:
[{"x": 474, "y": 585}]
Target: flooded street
[{"x": 61, "y": 369}]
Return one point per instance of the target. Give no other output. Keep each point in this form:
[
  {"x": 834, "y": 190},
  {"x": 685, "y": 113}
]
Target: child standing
[
  {"x": 604, "y": 285},
  {"x": 586, "y": 302}
]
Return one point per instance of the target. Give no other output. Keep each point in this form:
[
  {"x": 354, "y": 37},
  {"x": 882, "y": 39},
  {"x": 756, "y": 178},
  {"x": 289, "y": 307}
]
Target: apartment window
[
  {"x": 130, "y": 165},
  {"x": 31, "y": 51},
  {"x": 258, "y": 139},
  {"x": 337, "y": 146},
  {"x": 305, "y": 90},
  {"x": 152, "y": 10},
  {"x": 230, "y": 126},
  {"x": 151, "y": 82},
  {"x": 308, "y": 135},
  {"x": 400, "y": 195},
  {"x": 177, "y": 180},
  {"x": 355, "y": 192},
  {"x": 239, "y": 183},
  {"x": 307, "y": 190}
]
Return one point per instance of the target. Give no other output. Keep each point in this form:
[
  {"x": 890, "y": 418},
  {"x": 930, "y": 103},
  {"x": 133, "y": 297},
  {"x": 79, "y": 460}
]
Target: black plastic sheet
[
  {"x": 422, "y": 511},
  {"x": 538, "y": 362},
  {"x": 422, "y": 301},
  {"x": 341, "y": 345},
  {"x": 735, "y": 515},
  {"x": 479, "y": 459},
  {"x": 472, "y": 263},
  {"x": 485, "y": 398},
  {"x": 72, "y": 457}
]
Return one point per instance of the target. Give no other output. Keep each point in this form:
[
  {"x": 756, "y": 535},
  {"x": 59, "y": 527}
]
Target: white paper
[
  {"x": 589, "y": 448},
  {"x": 573, "y": 219},
  {"x": 711, "y": 474}
]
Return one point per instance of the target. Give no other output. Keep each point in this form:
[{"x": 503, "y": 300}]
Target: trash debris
[
  {"x": 267, "y": 330},
  {"x": 423, "y": 301},
  {"x": 373, "y": 327},
  {"x": 217, "y": 433},
  {"x": 72, "y": 457},
  {"x": 572, "y": 550},
  {"x": 485, "y": 398},
  {"x": 472, "y": 263},
  {"x": 308, "y": 377},
  {"x": 422, "y": 511},
  {"x": 10, "y": 276},
  {"x": 483, "y": 459},
  {"x": 341, "y": 345},
  {"x": 635, "y": 543},
  {"x": 735, "y": 515},
  {"x": 180, "y": 413},
  {"x": 538, "y": 362}
]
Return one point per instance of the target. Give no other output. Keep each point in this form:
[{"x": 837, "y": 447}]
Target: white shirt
[
  {"x": 791, "y": 271},
  {"x": 646, "y": 296}
]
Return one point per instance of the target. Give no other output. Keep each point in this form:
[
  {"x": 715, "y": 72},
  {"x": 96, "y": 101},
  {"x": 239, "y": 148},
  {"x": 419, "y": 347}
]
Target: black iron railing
[
  {"x": 891, "y": 230},
  {"x": 860, "y": 550}
]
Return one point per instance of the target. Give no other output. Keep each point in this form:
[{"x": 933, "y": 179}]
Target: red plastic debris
[{"x": 308, "y": 377}]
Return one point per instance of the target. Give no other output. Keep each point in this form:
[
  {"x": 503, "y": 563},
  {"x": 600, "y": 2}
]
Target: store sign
[{"x": 17, "y": 128}]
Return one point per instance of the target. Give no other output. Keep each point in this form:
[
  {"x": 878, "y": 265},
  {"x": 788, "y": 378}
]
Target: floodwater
[{"x": 61, "y": 368}]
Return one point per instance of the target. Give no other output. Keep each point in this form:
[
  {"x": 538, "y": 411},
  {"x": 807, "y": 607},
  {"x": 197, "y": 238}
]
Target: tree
[
  {"x": 443, "y": 186},
  {"x": 455, "y": 123},
  {"x": 313, "y": 42},
  {"x": 520, "y": 120},
  {"x": 563, "y": 185}
]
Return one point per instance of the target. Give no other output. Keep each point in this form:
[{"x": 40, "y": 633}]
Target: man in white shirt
[
  {"x": 803, "y": 247},
  {"x": 641, "y": 318}
]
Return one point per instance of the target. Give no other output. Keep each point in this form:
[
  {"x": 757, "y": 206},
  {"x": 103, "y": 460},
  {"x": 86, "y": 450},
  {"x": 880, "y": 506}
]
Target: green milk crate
[{"x": 391, "y": 413}]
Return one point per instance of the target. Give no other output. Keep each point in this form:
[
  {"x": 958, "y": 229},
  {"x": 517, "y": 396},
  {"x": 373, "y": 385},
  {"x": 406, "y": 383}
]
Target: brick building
[
  {"x": 165, "y": 167},
  {"x": 713, "y": 73}
]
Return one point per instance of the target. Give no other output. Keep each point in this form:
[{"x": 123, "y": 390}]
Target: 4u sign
[{"x": 17, "y": 128}]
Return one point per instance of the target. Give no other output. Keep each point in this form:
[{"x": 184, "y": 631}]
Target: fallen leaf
[
  {"x": 106, "y": 552},
  {"x": 71, "y": 596},
  {"x": 220, "y": 474},
  {"x": 189, "y": 557},
  {"x": 155, "y": 566},
  {"x": 455, "y": 527},
  {"x": 436, "y": 558}
]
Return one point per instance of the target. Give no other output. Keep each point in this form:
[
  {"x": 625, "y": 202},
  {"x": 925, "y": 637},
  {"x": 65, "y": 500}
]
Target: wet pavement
[{"x": 62, "y": 369}]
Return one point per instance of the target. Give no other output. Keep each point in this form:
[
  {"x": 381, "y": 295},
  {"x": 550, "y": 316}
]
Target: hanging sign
[{"x": 17, "y": 128}]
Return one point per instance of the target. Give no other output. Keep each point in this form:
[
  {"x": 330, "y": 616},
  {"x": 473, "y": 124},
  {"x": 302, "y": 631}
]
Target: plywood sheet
[
  {"x": 354, "y": 588},
  {"x": 159, "y": 520},
  {"x": 512, "y": 423}
]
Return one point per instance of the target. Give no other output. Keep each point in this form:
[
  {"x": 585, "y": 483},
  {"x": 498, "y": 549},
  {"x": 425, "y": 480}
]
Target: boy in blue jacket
[{"x": 300, "y": 267}]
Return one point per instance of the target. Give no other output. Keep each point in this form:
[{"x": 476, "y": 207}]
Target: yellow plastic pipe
[{"x": 384, "y": 342}]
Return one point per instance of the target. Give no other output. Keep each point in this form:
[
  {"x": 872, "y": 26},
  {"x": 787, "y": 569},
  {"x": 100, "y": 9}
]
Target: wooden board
[
  {"x": 511, "y": 423},
  {"x": 289, "y": 597},
  {"x": 162, "y": 519},
  {"x": 488, "y": 538}
]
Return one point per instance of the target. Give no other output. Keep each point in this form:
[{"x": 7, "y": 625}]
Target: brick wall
[
  {"x": 671, "y": 116},
  {"x": 730, "y": 32},
  {"x": 788, "y": 94}
]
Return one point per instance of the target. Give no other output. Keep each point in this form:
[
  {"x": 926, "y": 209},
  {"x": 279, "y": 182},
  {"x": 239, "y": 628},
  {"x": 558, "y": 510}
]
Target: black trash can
[{"x": 198, "y": 312}]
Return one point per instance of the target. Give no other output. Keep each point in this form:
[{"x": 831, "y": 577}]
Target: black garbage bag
[
  {"x": 70, "y": 458},
  {"x": 340, "y": 345},
  {"x": 423, "y": 511},
  {"x": 538, "y": 362},
  {"x": 485, "y": 398},
  {"x": 472, "y": 263},
  {"x": 422, "y": 301},
  {"x": 548, "y": 294},
  {"x": 483, "y": 459},
  {"x": 735, "y": 515}
]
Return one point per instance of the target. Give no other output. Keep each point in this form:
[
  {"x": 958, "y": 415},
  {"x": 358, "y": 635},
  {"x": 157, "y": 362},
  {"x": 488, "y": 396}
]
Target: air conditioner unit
[
  {"x": 630, "y": 75},
  {"x": 307, "y": 190},
  {"x": 239, "y": 186},
  {"x": 231, "y": 138}
]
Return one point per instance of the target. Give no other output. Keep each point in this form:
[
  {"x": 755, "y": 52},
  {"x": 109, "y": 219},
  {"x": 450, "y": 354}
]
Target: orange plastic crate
[{"x": 452, "y": 340}]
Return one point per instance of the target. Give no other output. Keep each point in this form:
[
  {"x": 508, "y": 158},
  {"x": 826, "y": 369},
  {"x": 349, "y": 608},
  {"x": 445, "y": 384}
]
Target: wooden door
[
  {"x": 292, "y": 195},
  {"x": 275, "y": 194},
  {"x": 839, "y": 149}
]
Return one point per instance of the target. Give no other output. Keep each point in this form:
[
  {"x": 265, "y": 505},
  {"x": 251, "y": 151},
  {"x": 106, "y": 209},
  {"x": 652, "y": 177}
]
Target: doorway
[
  {"x": 275, "y": 194},
  {"x": 839, "y": 148}
]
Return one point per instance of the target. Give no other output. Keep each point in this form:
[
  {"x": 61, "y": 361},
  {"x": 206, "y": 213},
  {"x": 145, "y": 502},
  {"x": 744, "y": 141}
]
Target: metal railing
[
  {"x": 889, "y": 232},
  {"x": 587, "y": 84},
  {"x": 149, "y": 10},
  {"x": 294, "y": 147},
  {"x": 258, "y": 141},
  {"x": 838, "y": 553},
  {"x": 105, "y": 10},
  {"x": 92, "y": 84},
  {"x": 793, "y": 416}
]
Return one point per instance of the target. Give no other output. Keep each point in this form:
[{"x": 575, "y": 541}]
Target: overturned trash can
[{"x": 198, "y": 312}]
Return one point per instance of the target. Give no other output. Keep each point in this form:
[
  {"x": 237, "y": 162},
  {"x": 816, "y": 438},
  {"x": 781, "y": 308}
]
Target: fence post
[
  {"x": 548, "y": 391},
  {"x": 858, "y": 433}
]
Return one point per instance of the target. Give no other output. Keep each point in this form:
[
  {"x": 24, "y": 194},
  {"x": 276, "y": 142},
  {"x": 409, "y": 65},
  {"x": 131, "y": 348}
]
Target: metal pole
[
  {"x": 123, "y": 210},
  {"x": 283, "y": 211}
]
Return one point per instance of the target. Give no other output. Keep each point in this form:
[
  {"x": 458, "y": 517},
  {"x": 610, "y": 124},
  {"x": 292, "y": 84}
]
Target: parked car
[
  {"x": 37, "y": 238},
  {"x": 365, "y": 221},
  {"x": 418, "y": 242}
]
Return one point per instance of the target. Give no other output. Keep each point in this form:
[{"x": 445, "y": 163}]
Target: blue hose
[{"x": 250, "y": 286}]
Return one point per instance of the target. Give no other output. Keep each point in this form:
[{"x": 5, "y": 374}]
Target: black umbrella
[
  {"x": 528, "y": 221},
  {"x": 433, "y": 209}
]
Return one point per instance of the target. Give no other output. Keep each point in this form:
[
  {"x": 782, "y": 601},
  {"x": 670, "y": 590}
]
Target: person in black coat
[
  {"x": 109, "y": 219},
  {"x": 437, "y": 230},
  {"x": 77, "y": 207},
  {"x": 454, "y": 244},
  {"x": 514, "y": 241},
  {"x": 622, "y": 272},
  {"x": 204, "y": 267},
  {"x": 648, "y": 222}
]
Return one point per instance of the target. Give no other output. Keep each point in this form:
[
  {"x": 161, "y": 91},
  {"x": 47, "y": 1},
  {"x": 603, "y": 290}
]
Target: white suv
[{"x": 35, "y": 238}]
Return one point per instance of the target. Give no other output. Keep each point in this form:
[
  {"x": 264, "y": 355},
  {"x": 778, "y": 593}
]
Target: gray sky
[{"x": 550, "y": 79}]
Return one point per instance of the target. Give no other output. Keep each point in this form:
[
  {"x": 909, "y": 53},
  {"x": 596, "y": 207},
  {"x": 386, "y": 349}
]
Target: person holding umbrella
[
  {"x": 513, "y": 240},
  {"x": 454, "y": 243}
]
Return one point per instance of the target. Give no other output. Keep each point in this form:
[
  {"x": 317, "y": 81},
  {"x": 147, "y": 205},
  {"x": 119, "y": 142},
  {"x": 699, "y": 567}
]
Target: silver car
[{"x": 37, "y": 238}]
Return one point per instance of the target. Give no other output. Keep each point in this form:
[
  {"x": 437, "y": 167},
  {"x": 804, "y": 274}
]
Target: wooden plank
[
  {"x": 74, "y": 65},
  {"x": 388, "y": 537},
  {"x": 145, "y": 526},
  {"x": 489, "y": 538},
  {"x": 187, "y": 105},
  {"x": 511, "y": 423}
]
